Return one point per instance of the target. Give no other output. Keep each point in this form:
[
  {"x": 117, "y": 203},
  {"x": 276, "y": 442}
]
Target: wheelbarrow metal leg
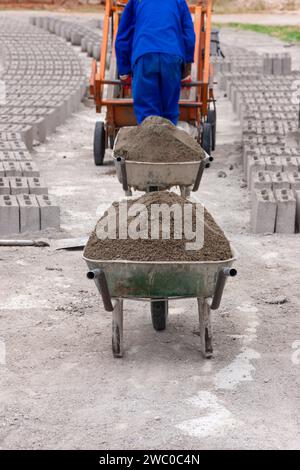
[
  {"x": 185, "y": 191},
  {"x": 205, "y": 328},
  {"x": 117, "y": 329}
]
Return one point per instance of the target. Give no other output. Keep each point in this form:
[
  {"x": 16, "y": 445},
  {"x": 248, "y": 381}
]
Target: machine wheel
[
  {"x": 99, "y": 143},
  {"x": 212, "y": 120},
  {"x": 207, "y": 138},
  {"x": 159, "y": 314}
]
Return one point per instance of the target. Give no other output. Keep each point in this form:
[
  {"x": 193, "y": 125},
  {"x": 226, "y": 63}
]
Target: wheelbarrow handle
[
  {"x": 120, "y": 162},
  {"x": 99, "y": 276},
  {"x": 221, "y": 281},
  {"x": 205, "y": 163}
]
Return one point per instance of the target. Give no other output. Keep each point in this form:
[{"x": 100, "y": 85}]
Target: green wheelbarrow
[{"x": 159, "y": 282}]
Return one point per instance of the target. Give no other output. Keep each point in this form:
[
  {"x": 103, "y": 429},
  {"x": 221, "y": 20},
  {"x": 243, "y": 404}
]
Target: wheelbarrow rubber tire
[
  {"x": 99, "y": 143},
  {"x": 159, "y": 314},
  {"x": 212, "y": 119},
  {"x": 207, "y": 138}
]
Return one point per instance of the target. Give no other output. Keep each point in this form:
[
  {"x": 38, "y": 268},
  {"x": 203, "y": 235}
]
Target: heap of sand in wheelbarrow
[
  {"x": 157, "y": 140},
  {"x": 157, "y": 155},
  {"x": 215, "y": 246}
]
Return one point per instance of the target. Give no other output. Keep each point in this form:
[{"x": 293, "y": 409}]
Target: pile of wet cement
[
  {"x": 157, "y": 140},
  {"x": 216, "y": 246}
]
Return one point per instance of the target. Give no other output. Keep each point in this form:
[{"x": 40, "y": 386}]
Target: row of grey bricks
[
  {"x": 36, "y": 122},
  {"x": 61, "y": 88},
  {"x": 243, "y": 100},
  {"x": 240, "y": 77},
  {"x": 77, "y": 34},
  {"x": 27, "y": 213},
  {"x": 259, "y": 93}
]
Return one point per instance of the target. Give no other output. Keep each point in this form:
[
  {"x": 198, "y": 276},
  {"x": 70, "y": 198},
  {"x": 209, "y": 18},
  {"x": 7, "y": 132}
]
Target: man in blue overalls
[{"x": 155, "y": 45}]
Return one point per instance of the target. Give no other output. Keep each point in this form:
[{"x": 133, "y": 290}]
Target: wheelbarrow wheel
[
  {"x": 159, "y": 314},
  {"x": 99, "y": 143},
  {"x": 207, "y": 138},
  {"x": 212, "y": 120}
]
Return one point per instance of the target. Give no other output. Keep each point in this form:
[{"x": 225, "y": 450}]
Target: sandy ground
[{"x": 60, "y": 386}]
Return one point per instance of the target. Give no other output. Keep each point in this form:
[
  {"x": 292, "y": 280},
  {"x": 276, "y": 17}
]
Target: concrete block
[
  {"x": 21, "y": 156},
  {"x": 286, "y": 211},
  {"x": 7, "y": 156},
  {"x": 29, "y": 213},
  {"x": 254, "y": 164},
  {"x": 50, "y": 213},
  {"x": 12, "y": 169},
  {"x": 290, "y": 163},
  {"x": 96, "y": 51},
  {"x": 29, "y": 169},
  {"x": 76, "y": 38},
  {"x": 9, "y": 215},
  {"x": 261, "y": 180},
  {"x": 280, "y": 181},
  {"x": 37, "y": 186},
  {"x": 18, "y": 145},
  {"x": 267, "y": 64},
  {"x": 273, "y": 163},
  {"x": 297, "y": 197},
  {"x": 277, "y": 65},
  {"x": 4, "y": 186},
  {"x": 294, "y": 178},
  {"x": 18, "y": 185},
  {"x": 263, "y": 211},
  {"x": 286, "y": 64}
]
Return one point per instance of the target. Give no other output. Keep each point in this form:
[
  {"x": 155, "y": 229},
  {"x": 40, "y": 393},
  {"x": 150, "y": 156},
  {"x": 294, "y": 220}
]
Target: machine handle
[{"x": 120, "y": 82}]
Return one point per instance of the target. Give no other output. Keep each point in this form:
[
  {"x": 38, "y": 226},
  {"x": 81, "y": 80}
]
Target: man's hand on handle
[
  {"x": 126, "y": 81},
  {"x": 186, "y": 75}
]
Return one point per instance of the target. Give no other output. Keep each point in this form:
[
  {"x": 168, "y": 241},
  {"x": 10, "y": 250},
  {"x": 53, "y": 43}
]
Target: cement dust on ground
[{"x": 60, "y": 386}]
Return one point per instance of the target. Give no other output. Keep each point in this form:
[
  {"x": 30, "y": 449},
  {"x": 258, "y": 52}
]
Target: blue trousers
[{"x": 156, "y": 86}]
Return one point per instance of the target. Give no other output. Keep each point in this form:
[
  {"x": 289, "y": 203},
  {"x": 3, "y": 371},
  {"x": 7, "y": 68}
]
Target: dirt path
[{"x": 60, "y": 386}]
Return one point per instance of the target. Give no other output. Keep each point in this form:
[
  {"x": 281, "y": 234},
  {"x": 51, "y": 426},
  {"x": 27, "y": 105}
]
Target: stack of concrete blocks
[
  {"x": 44, "y": 83},
  {"x": 25, "y": 205},
  {"x": 277, "y": 64},
  {"x": 264, "y": 102},
  {"x": 88, "y": 37},
  {"x": 238, "y": 59}
]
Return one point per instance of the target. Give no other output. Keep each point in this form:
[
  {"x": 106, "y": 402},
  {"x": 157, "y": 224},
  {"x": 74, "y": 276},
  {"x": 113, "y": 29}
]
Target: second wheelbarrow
[{"x": 157, "y": 176}]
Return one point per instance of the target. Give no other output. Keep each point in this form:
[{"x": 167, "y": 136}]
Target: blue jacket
[{"x": 149, "y": 26}]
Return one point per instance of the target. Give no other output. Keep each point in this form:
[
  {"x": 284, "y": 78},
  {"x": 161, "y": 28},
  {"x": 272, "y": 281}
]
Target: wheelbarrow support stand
[
  {"x": 204, "y": 308},
  {"x": 98, "y": 275}
]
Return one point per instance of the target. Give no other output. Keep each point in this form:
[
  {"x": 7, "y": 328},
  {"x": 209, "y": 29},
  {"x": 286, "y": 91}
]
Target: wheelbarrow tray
[
  {"x": 160, "y": 280},
  {"x": 142, "y": 175}
]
